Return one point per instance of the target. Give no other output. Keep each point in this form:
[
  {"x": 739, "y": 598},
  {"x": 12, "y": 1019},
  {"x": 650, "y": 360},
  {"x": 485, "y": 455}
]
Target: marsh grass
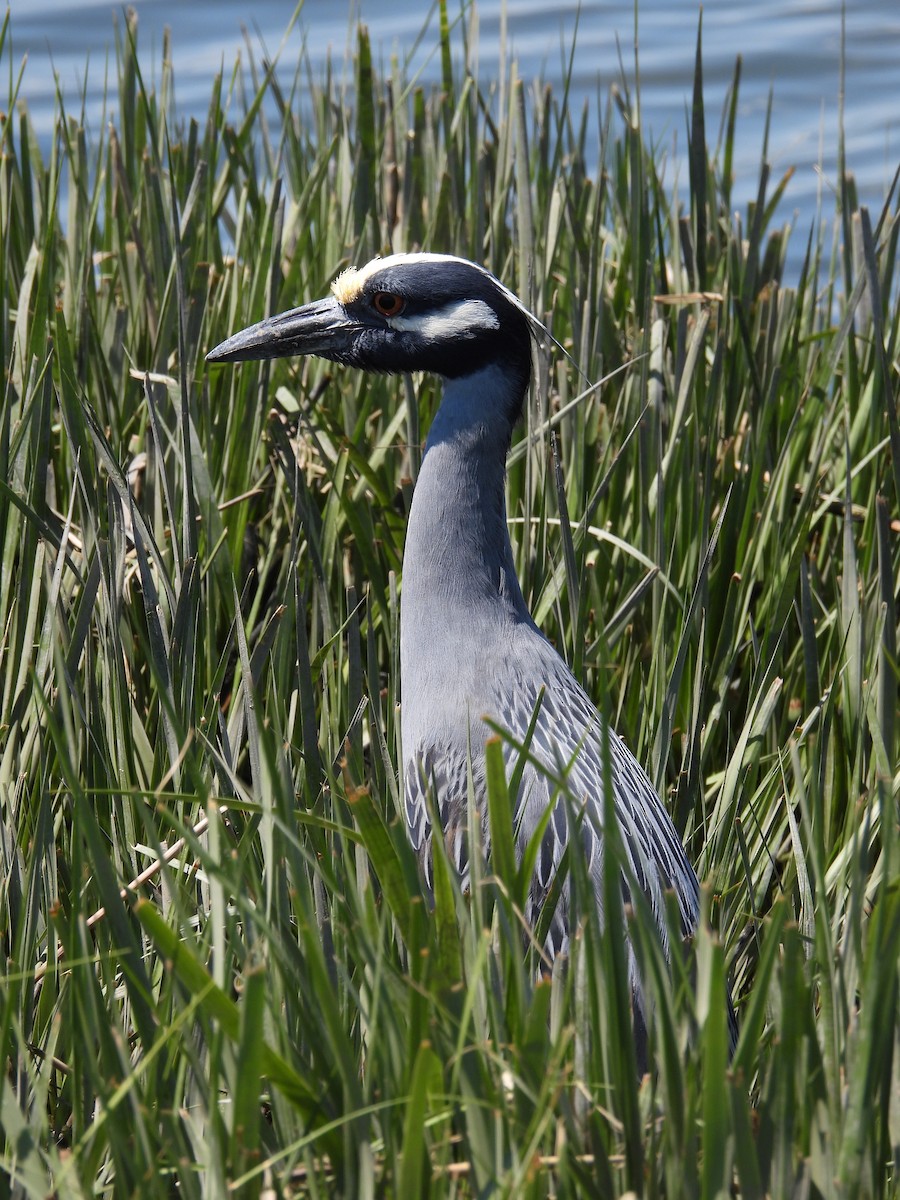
[{"x": 198, "y": 655}]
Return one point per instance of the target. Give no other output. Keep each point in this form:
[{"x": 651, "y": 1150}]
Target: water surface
[{"x": 791, "y": 49}]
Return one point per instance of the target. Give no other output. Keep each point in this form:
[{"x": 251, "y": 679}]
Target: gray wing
[
  {"x": 569, "y": 735},
  {"x": 568, "y": 740},
  {"x": 438, "y": 774}
]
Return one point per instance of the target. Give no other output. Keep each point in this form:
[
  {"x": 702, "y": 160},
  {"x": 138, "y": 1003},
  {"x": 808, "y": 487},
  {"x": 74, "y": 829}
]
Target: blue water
[{"x": 789, "y": 47}]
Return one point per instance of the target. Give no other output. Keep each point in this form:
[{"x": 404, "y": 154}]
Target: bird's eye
[{"x": 389, "y": 304}]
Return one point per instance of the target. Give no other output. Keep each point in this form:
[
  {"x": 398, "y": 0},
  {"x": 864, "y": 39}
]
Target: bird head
[{"x": 407, "y": 312}]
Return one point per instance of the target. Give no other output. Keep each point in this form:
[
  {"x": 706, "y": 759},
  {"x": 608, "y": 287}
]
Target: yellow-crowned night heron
[{"x": 468, "y": 646}]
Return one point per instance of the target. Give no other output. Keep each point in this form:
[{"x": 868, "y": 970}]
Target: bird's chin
[{"x": 322, "y": 328}]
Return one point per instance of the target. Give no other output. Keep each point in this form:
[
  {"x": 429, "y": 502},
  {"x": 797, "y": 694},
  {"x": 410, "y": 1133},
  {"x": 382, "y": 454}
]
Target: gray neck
[{"x": 458, "y": 566}]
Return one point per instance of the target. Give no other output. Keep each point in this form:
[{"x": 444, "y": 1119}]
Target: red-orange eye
[{"x": 389, "y": 304}]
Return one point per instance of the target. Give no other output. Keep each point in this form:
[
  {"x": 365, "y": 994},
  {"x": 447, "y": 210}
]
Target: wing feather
[{"x": 568, "y": 741}]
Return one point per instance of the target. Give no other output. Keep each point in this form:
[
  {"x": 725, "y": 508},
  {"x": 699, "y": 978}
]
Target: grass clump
[{"x": 198, "y": 660}]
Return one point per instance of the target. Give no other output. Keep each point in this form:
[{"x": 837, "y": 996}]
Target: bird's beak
[{"x": 322, "y": 328}]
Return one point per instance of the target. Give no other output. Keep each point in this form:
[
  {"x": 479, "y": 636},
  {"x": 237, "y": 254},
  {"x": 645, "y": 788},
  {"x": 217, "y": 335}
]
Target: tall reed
[{"x": 198, "y": 658}]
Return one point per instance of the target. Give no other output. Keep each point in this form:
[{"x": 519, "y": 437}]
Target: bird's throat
[{"x": 458, "y": 555}]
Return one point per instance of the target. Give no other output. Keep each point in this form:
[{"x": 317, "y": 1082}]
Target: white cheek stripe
[{"x": 462, "y": 318}]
